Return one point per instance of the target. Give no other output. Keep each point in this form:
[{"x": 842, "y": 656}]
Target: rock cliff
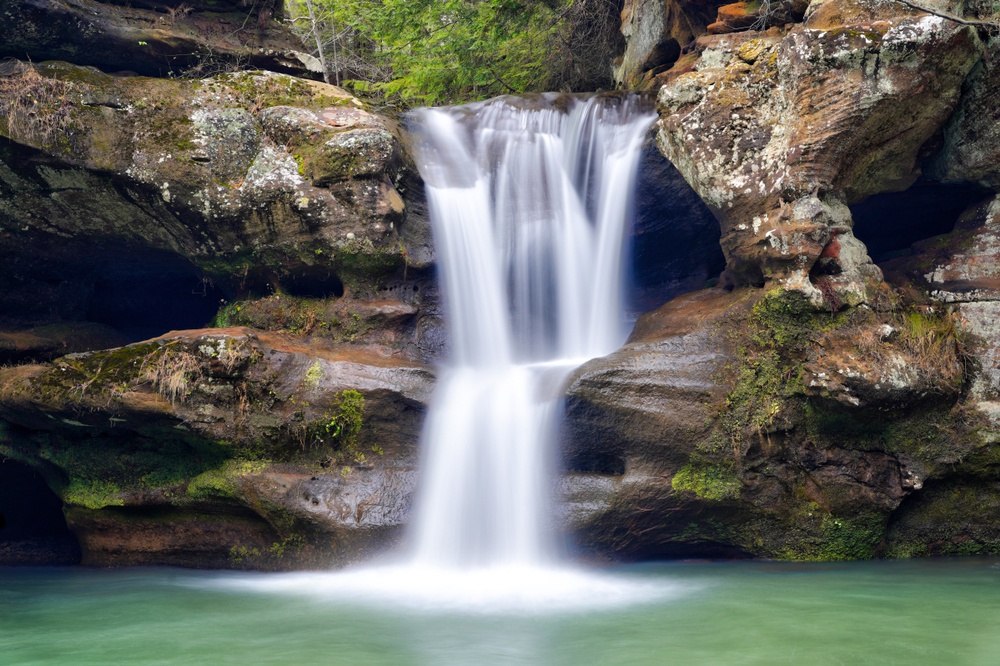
[
  {"x": 816, "y": 411},
  {"x": 807, "y": 403}
]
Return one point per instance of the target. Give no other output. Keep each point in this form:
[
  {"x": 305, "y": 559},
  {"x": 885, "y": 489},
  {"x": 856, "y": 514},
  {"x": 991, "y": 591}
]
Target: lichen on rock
[{"x": 777, "y": 134}]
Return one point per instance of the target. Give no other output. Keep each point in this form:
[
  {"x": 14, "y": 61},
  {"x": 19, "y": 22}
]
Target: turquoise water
[{"x": 895, "y": 612}]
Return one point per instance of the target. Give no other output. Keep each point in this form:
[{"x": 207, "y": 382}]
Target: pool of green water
[{"x": 940, "y": 612}]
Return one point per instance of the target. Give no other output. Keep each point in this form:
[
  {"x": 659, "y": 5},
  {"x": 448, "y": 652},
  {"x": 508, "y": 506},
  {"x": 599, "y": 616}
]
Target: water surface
[{"x": 692, "y": 614}]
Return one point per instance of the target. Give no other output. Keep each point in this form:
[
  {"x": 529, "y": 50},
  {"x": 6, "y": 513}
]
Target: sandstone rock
[
  {"x": 829, "y": 14},
  {"x": 778, "y": 140},
  {"x": 214, "y": 170},
  {"x": 962, "y": 266},
  {"x": 655, "y": 32},
  {"x": 221, "y": 448},
  {"x": 972, "y": 136},
  {"x": 406, "y": 322},
  {"x": 744, "y": 423},
  {"x": 199, "y": 191},
  {"x": 153, "y": 38}
]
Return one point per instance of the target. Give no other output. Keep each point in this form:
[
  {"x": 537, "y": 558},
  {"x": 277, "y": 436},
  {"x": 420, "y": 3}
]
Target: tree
[{"x": 446, "y": 51}]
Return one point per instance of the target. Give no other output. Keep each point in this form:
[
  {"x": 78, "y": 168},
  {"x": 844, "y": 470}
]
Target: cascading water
[{"x": 529, "y": 208}]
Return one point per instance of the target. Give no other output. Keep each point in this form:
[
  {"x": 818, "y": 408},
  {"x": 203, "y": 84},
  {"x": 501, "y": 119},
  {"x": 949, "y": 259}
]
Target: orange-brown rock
[
  {"x": 734, "y": 17},
  {"x": 655, "y": 32}
]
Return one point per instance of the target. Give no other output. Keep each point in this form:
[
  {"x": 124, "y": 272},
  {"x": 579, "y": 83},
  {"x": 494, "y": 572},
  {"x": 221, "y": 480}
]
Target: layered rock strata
[{"x": 222, "y": 448}]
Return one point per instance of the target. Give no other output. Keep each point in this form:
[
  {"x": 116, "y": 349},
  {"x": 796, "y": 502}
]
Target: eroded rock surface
[
  {"x": 747, "y": 424},
  {"x": 143, "y": 204},
  {"x": 655, "y": 32},
  {"x": 222, "y": 448},
  {"x": 778, "y": 133},
  {"x": 154, "y": 38}
]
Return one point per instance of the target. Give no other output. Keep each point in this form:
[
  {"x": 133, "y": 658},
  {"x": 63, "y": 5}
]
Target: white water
[{"x": 530, "y": 209}]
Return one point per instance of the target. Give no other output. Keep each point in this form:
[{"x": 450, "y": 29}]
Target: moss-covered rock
[
  {"x": 748, "y": 424},
  {"x": 196, "y": 168},
  {"x": 779, "y": 131},
  {"x": 205, "y": 447},
  {"x": 155, "y": 38}
]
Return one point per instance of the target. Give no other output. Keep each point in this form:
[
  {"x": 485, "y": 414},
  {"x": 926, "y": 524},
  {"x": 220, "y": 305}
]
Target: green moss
[
  {"x": 93, "y": 494},
  {"x": 334, "y": 319},
  {"x": 223, "y": 482},
  {"x": 943, "y": 437},
  {"x": 314, "y": 375},
  {"x": 261, "y": 558},
  {"x": 855, "y": 538},
  {"x": 711, "y": 482},
  {"x": 770, "y": 343}
]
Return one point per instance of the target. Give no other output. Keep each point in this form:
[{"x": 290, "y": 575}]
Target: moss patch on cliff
[
  {"x": 770, "y": 342},
  {"x": 711, "y": 482},
  {"x": 806, "y": 387}
]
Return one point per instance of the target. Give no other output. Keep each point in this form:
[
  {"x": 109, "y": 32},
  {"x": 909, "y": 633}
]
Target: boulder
[
  {"x": 222, "y": 448},
  {"x": 747, "y": 424},
  {"x": 155, "y": 38},
  {"x": 778, "y": 133},
  {"x": 971, "y": 149}
]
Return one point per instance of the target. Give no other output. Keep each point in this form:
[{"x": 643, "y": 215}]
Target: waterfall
[{"x": 529, "y": 202}]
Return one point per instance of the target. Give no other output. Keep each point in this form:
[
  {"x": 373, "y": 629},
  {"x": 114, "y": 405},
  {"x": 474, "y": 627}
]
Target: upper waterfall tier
[{"x": 530, "y": 204}]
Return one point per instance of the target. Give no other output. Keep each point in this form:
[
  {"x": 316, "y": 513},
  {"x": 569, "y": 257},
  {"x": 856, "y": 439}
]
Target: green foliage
[
  {"x": 93, "y": 494},
  {"x": 448, "y": 51},
  {"x": 345, "y": 426}
]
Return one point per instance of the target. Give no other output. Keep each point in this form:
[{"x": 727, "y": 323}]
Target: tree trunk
[{"x": 319, "y": 41}]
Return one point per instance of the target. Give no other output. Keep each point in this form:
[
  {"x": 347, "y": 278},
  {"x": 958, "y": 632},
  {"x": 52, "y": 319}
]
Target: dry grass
[
  {"x": 36, "y": 109},
  {"x": 180, "y": 11},
  {"x": 171, "y": 372},
  {"x": 928, "y": 341},
  {"x": 237, "y": 353}
]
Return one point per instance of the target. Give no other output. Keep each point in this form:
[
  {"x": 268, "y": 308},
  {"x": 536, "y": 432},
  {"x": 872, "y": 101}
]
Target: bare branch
[{"x": 984, "y": 24}]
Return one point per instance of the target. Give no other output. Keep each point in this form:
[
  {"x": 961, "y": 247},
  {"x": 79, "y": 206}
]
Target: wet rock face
[
  {"x": 779, "y": 132},
  {"x": 745, "y": 424},
  {"x": 154, "y": 38},
  {"x": 675, "y": 239},
  {"x": 222, "y": 448}
]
